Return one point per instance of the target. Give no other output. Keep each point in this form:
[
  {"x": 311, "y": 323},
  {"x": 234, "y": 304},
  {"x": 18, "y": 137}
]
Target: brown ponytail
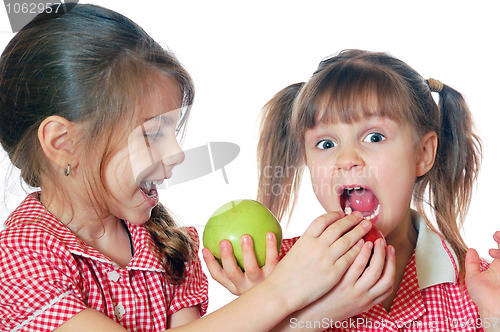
[
  {"x": 451, "y": 180},
  {"x": 278, "y": 154},
  {"x": 175, "y": 244}
]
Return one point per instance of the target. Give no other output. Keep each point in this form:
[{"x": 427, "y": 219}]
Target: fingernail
[
  {"x": 366, "y": 224},
  {"x": 245, "y": 239},
  {"x": 358, "y": 214},
  {"x": 360, "y": 242},
  {"x": 370, "y": 245},
  {"x": 270, "y": 235},
  {"x": 223, "y": 244},
  {"x": 393, "y": 250}
]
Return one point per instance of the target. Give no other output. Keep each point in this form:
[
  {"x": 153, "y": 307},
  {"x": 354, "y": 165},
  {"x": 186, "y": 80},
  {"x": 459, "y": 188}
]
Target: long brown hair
[
  {"x": 340, "y": 90},
  {"x": 89, "y": 65}
]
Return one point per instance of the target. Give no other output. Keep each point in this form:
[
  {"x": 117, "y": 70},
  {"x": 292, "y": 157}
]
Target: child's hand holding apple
[{"x": 251, "y": 231}]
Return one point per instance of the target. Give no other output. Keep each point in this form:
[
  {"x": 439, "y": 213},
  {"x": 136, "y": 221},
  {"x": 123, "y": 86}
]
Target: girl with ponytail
[{"x": 375, "y": 141}]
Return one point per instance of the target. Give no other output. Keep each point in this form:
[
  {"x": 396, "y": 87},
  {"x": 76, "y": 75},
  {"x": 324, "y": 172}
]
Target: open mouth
[
  {"x": 361, "y": 199},
  {"x": 149, "y": 188}
]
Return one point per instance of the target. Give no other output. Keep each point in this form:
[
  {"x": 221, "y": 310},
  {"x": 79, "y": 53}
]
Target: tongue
[
  {"x": 362, "y": 200},
  {"x": 147, "y": 187}
]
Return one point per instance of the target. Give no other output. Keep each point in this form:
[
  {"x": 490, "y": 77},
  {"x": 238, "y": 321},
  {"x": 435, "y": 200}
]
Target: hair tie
[{"x": 435, "y": 85}]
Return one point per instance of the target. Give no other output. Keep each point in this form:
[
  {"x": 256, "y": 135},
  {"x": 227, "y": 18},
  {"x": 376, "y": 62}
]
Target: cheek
[
  {"x": 396, "y": 171},
  {"x": 398, "y": 178},
  {"x": 323, "y": 185},
  {"x": 117, "y": 170}
]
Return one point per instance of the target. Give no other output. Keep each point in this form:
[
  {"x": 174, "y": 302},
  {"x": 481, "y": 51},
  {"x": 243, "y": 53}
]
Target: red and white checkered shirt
[
  {"x": 429, "y": 297},
  {"x": 47, "y": 275}
]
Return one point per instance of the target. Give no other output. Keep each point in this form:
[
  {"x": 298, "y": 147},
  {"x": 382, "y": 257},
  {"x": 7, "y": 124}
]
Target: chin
[{"x": 138, "y": 218}]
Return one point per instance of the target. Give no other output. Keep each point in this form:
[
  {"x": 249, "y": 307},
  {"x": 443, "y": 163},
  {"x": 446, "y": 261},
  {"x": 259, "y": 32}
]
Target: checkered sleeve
[
  {"x": 286, "y": 245},
  {"x": 485, "y": 264},
  {"x": 36, "y": 287},
  {"x": 194, "y": 289}
]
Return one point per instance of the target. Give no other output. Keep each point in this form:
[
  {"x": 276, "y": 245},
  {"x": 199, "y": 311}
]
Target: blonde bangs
[{"x": 349, "y": 92}]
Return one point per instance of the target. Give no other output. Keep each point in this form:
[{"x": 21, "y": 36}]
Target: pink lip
[
  {"x": 374, "y": 220},
  {"x": 151, "y": 200}
]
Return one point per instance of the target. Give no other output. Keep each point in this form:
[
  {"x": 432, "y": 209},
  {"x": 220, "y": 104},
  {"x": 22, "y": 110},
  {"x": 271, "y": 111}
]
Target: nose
[
  {"x": 348, "y": 157},
  {"x": 174, "y": 155}
]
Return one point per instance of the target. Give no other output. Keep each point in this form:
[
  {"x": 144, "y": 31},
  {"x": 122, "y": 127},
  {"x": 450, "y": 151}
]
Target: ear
[
  {"x": 427, "y": 154},
  {"x": 57, "y": 136}
]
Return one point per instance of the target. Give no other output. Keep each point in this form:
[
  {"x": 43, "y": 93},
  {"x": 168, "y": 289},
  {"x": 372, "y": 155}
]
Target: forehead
[
  {"x": 386, "y": 124},
  {"x": 159, "y": 98},
  {"x": 349, "y": 96},
  {"x": 358, "y": 106}
]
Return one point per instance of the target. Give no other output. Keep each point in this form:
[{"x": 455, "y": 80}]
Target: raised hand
[{"x": 484, "y": 286}]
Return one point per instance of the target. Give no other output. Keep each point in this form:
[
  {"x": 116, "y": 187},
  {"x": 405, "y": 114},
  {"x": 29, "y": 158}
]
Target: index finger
[
  {"x": 349, "y": 228},
  {"x": 318, "y": 226}
]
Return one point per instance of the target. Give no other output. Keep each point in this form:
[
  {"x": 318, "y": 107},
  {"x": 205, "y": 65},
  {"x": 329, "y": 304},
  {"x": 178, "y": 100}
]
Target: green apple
[{"x": 239, "y": 217}]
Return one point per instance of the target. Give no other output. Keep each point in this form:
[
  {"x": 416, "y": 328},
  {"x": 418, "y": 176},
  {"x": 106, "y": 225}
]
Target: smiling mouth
[
  {"x": 149, "y": 188},
  {"x": 361, "y": 199}
]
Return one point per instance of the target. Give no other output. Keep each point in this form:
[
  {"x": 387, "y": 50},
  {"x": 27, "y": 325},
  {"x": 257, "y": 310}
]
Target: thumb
[{"x": 472, "y": 263}]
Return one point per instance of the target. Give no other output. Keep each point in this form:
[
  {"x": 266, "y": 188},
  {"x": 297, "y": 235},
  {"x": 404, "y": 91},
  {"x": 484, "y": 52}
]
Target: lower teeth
[
  {"x": 348, "y": 210},
  {"x": 150, "y": 192}
]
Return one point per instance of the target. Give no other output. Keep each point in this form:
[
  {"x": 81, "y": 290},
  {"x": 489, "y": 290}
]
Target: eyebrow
[{"x": 158, "y": 118}]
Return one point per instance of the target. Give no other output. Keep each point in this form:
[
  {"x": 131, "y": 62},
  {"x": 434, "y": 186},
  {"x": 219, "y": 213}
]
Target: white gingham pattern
[
  {"x": 47, "y": 275},
  {"x": 442, "y": 307}
]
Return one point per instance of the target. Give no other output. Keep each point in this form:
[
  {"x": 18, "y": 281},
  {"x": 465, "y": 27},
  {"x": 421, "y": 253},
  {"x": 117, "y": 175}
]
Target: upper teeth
[
  {"x": 154, "y": 182},
  {"x": 352, "y": 188},
  {"x": 348, "y": 210},
  {"x": 150, "y": 184}
]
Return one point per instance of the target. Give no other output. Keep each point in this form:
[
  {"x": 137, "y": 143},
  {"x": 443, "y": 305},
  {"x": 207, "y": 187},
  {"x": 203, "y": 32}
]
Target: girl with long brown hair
[{"x": 90, "y": 109}]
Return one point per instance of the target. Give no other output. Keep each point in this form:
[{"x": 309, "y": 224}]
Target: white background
[{"x": 241, "y": 53}]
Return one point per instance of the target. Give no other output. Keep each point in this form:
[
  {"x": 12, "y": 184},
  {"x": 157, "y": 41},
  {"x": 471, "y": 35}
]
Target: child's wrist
[{"x": 282, "y": 297}]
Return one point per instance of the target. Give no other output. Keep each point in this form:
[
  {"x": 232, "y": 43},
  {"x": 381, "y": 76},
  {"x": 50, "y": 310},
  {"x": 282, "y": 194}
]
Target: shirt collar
[
  {"x": 435, "y": 260},
  {"x": 32, "y": 213}
]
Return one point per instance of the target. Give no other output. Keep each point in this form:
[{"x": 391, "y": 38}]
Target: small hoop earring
[{"x": 67, "y": 170}]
